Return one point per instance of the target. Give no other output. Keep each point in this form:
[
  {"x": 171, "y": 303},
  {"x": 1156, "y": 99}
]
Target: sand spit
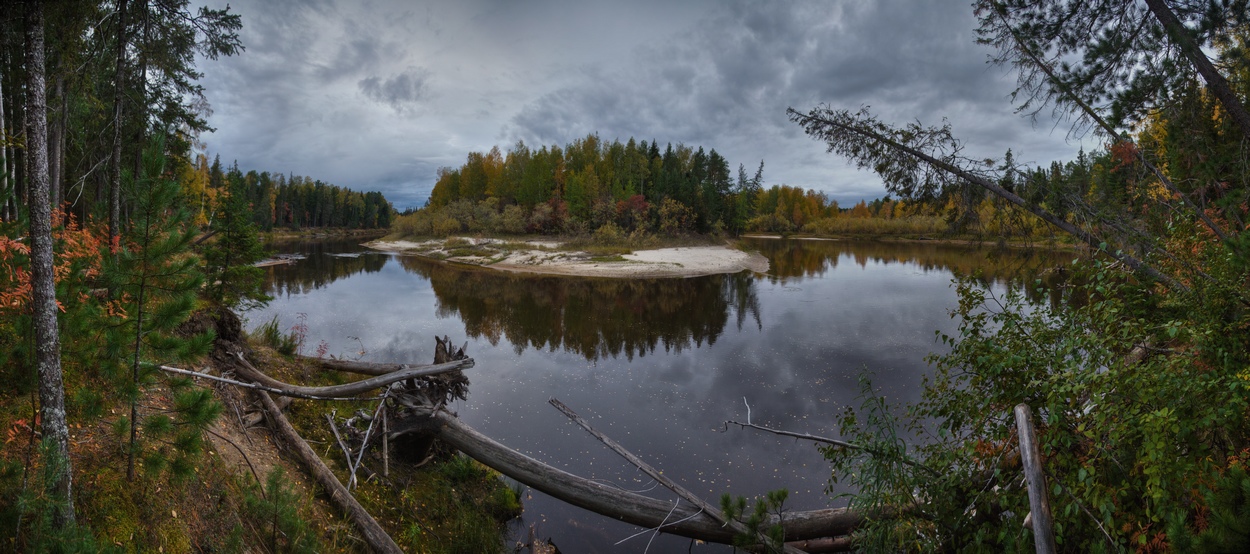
[{"x": 538, "y": 256}]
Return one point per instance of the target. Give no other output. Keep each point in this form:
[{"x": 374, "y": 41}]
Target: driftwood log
[
  {"x": 423, "y": 414},
  {"x": 377, "y": 538},
  {"x": 637, "y": 509}
]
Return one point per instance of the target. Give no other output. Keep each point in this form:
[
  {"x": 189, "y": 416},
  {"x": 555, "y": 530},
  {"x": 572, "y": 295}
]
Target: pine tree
[
  {"x": 233, "y": 280},
  {"x": 156, "y": 277}
]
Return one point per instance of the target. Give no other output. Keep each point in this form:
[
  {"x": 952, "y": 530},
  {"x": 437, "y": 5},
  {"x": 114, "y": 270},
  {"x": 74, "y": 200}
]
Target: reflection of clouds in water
[{"x": 797, "y": 366}]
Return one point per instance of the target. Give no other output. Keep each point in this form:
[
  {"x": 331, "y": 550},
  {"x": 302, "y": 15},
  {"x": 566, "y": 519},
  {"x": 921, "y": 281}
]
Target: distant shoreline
[
  {"x": 1051, "y": 245},
  {"x": 542, "y": 257}
]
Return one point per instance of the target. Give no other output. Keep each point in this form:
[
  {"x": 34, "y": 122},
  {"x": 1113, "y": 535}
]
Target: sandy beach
[{"x": 541, "y": 257}]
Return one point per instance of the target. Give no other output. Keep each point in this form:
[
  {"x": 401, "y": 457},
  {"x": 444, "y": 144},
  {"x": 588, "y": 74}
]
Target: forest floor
[
  {"x": 232, "y": 503},
  {"x": 554, "y": 257}
]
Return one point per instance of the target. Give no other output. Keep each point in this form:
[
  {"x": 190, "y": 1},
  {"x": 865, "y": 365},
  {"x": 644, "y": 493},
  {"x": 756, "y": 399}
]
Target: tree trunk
[
  {"x": 141, "y": 109},
  {"x": 56, "y": 141},
  {"x": 119, "y": 84},
  {"x": 375, "y": 536},
  {"x": 43, "y": 295},
  {"x": 1216, "y": 82},
  {"x": 683, "y": 520},
  {"x": 5, "y": 174}
]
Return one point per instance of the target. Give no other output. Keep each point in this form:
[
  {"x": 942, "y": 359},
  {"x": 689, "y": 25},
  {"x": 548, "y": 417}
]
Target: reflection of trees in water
[
  {"x": 592, "y": 317},
  {"x": 317, "y": 270},
  {"x": 1015, "y": 268}
]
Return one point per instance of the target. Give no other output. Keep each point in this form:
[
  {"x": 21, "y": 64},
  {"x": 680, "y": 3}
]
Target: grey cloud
[
  {"x": 351, "y": 58},
  {"x": 399, "y": 91},
  {"x": 323, "y": 77},
  {"x": 727, "y": 85}
]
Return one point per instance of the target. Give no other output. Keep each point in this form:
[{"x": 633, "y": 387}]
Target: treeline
[
  {"x": 284, "y": 201},
  {"x": 588, "y": 184},
  {"x": 591, "y": 186}
]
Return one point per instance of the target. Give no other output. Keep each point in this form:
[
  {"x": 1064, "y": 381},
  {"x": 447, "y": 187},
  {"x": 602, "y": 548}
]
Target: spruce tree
[
  {"x": 156, "y": 277},
  {"x": 233, "y": 281}
]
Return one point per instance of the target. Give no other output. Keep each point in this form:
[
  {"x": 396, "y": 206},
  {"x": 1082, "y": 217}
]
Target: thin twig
[
  {"x": 835, "y": 442},
  {"x": 347, "y": 454},
  {"x": 245, "y": 459},
  {"x": 364, "y": 444},
  {"x": 681, "y": 491}
]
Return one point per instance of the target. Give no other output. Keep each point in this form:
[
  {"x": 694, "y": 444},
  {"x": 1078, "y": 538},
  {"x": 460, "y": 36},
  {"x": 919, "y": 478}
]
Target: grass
[{"x": 451, "y": 505}]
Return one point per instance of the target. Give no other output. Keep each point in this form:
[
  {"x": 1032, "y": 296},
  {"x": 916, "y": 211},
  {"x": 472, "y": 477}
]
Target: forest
[
  {"x": 282, "y": 201},
  {"x": 123, "y": 248},
  {"x": 635, "y": 187}
]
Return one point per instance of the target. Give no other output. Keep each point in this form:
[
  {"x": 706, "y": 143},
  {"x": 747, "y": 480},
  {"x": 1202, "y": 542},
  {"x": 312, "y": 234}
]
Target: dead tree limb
[
  {"x": 276, "y": 390},
  {"x": 600, "y": 498},
  {"x": 670, "y": 484},
  {"x": 347, "y": 453},
  {"x": 364, "y": 368},
  {"x": 377, "y": 538},
  {"x": 834, "y": 442},
  {"x": 347, "y": 389}
]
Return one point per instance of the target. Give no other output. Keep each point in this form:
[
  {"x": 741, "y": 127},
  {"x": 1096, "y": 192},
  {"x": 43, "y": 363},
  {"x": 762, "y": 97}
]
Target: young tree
[
  {"x": 156, "y": 276},
  {"x": 233, "y": 280}
]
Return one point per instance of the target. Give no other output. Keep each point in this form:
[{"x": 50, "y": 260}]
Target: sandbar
[{"x": 540, "y": 257}]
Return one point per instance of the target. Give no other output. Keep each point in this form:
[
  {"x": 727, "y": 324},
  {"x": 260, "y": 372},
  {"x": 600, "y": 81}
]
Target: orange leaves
[
  {"x": 18, "y": 426},
  {"x": 77, "y": 256},
  {"x": 1124, "y": 153}
]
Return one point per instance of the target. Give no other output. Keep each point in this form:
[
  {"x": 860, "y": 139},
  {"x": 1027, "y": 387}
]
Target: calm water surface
[{"x": 659, "y": 365}]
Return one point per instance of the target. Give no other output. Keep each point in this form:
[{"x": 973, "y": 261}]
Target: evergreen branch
[{"x": 851, "y": 136}]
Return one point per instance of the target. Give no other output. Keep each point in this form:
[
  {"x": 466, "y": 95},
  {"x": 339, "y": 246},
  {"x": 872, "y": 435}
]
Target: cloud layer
[{"x": 379, "y": 95}]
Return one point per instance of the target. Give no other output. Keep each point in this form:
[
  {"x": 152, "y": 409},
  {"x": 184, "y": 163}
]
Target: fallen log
[
  {"x": 363, "y": 368},
  {"x": 736, "y": 526},
  {"x": 683, "y": 520},
  {"x": 377, "y": 538},
  {"x": 347, "y": 389}
]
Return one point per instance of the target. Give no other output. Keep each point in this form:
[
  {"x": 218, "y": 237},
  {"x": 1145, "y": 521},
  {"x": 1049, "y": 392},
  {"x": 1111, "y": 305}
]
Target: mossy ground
[{"x": 449, "y": 505}]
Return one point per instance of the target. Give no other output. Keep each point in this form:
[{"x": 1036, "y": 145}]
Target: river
[{"x": 659, "y": 365}]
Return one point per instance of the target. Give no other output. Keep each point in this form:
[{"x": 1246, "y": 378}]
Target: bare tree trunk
[
  {"x": 5, "y": 174},
  {"x": 1216, "y": 82},
  {"x": 119, "y": 84},
  {"x": 43, "y": 295},
  {"x": 56, "y": 141},
  {"x": 141, "y": 109}
]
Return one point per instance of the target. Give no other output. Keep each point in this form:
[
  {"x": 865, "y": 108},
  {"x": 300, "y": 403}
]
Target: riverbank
[
  {"x": 545, "y": 257},
  {"x": 961, "y": 240},
  {"x": 283, "y": 234}
]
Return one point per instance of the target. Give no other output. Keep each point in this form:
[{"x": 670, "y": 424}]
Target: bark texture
[
  {"x": 119, "y": 86},
  {"x": 43, "y": 294}
]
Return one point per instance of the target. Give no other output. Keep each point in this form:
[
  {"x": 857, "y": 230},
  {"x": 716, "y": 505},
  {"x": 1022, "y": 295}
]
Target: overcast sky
[{"x": 378, "y": 94}]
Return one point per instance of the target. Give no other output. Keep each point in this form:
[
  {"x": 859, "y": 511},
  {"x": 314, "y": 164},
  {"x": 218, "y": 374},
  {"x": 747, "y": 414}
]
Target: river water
[{"x": 659, "y": 365}]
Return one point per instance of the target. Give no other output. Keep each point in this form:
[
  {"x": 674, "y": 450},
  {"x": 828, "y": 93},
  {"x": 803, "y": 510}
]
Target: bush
[
  {"x": 608, "y": 235},
  {"x": 513, "y": 220},
  {"x": 675, "y": 218}
]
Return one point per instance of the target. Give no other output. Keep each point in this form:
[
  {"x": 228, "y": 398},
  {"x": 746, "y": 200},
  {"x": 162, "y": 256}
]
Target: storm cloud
[
  {"x": 378, "y": 95},
  {"x": 398, "y": 91}
]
